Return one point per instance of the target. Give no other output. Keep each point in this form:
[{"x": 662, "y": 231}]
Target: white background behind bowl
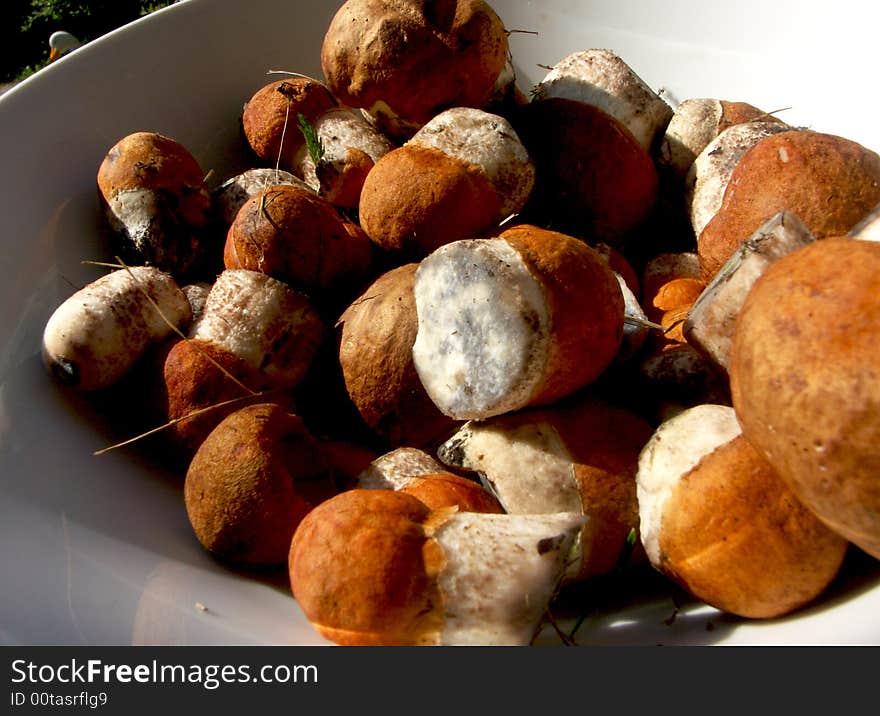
[{"x": 98, "y": 550}]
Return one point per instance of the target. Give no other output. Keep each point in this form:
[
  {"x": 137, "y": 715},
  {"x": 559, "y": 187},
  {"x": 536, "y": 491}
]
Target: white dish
[{"x": 98, "y": 550}]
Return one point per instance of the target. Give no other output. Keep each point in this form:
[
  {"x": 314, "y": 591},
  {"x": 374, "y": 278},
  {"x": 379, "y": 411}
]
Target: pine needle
[
  {"x": 637, "y": 321},
  {"x": 175, "y": 421}
]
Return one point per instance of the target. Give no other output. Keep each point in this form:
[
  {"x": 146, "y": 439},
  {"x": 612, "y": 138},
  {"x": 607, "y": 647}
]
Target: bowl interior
[{"x": 98, "y": 549}]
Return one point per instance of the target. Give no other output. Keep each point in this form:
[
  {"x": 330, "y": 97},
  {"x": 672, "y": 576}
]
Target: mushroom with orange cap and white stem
[
  {"x": 461, "y": 175},
  {"x": 379, "y": 567},
  {"x": 830, "y": 182},
  {"x": 522, "y": 319},
  {"x": 153, "y": 193},
  {"x": 576, "y": 455},
  {"x": 298, "y": 125},
  {"x": 805, "y": 380},
  {"x": 402, "y": 62},
  {"x": 719, "y": 520},
  {"x": 590, "y": 128}
]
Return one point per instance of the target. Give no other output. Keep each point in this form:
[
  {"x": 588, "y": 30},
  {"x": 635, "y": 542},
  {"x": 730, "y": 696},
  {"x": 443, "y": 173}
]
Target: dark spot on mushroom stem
[
  {"x": 550, "y": 544},
  {"x": 66, "y": 372},
  {"x": 452, "y": 453}
]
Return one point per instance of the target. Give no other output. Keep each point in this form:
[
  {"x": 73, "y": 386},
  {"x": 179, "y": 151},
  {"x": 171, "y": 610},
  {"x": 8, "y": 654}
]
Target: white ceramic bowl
[{"x": 98, "y": 550}]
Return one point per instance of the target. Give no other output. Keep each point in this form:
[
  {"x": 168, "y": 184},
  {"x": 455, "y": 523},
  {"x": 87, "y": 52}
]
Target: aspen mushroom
[
  {"x": 805, "y": 380},
  {"x": 462, "y": 174},
  {"x": 709, "y": 174},
  {"x": 695, "y": 123},
  {"x": 246, "y": 487},
  {"x": 572, "y": 457},
  {"x": 522, "y": 319},
  {"x": 719, "y": 520},
  {"x": 197, "y": 384},
  {"x": 590, "y": 127},
  {"x": 402, "y": 61},
  {"x": 601, "y": 78},
  {"x": 270, "y": 119},
  {"x": 264, "y": 322},
  {"x": 592, "y": 177},
  {"x": 101, "y": 331},
  {"x": 154, "y": 196},
  {"x": 297, "y": 123},
  {"x": 375, "y": 336},
  {"x": 378, "y": 567},
  {"x": 297, "y": 237},
  {"x": 831, "y": 183}
]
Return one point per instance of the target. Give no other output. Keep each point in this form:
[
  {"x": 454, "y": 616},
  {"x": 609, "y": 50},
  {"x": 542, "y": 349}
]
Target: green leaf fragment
[{"x": 313, "y": 142}]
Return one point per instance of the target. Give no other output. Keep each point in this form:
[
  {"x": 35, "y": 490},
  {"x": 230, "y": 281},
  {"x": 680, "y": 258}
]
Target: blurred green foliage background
[{"x": 25, "y": 26}]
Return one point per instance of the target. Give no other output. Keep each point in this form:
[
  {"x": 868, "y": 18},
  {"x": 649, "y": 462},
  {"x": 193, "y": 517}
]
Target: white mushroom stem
[
  {"x": 601, "y": 78},
  {"x": 501, "y": 573},
  {"x": 483, "y": 329},
  {"x": 262, "y": 321},
  {"x": 711, "y": 320},
  {"x": 94, "y": 337},
  {"x": 488, "y": 141},
  {"x": 693, "y": 125},
  {"x": 868, "y": 229},
  {"x": 396, "y": 469},
  {"x": 527, "y": 467}
]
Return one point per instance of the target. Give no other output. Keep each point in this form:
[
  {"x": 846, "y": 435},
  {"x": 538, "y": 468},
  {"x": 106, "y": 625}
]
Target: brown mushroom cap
[
  {"x": 414, "y": 58},
  {"x": 805, "y": 379},
  {"x": 415, "y": 199},
  {"x": 195, "y": 376},
  {"x": 829, "y": 182},
  {"x": 586, "y": 302},
  {"x": 272, "y": 113},
  {"x": 439, "y": 490},
  {"x": 363, "y": 572},
  {"x": 297, "y": 237},
  {"x": 147, "y": 160},
  {"x": 736, "y": 537},
  {"x": 376, "y": 336},
  {"x": 593, "y": 179},
  {"x": 240, "y": 490}
]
